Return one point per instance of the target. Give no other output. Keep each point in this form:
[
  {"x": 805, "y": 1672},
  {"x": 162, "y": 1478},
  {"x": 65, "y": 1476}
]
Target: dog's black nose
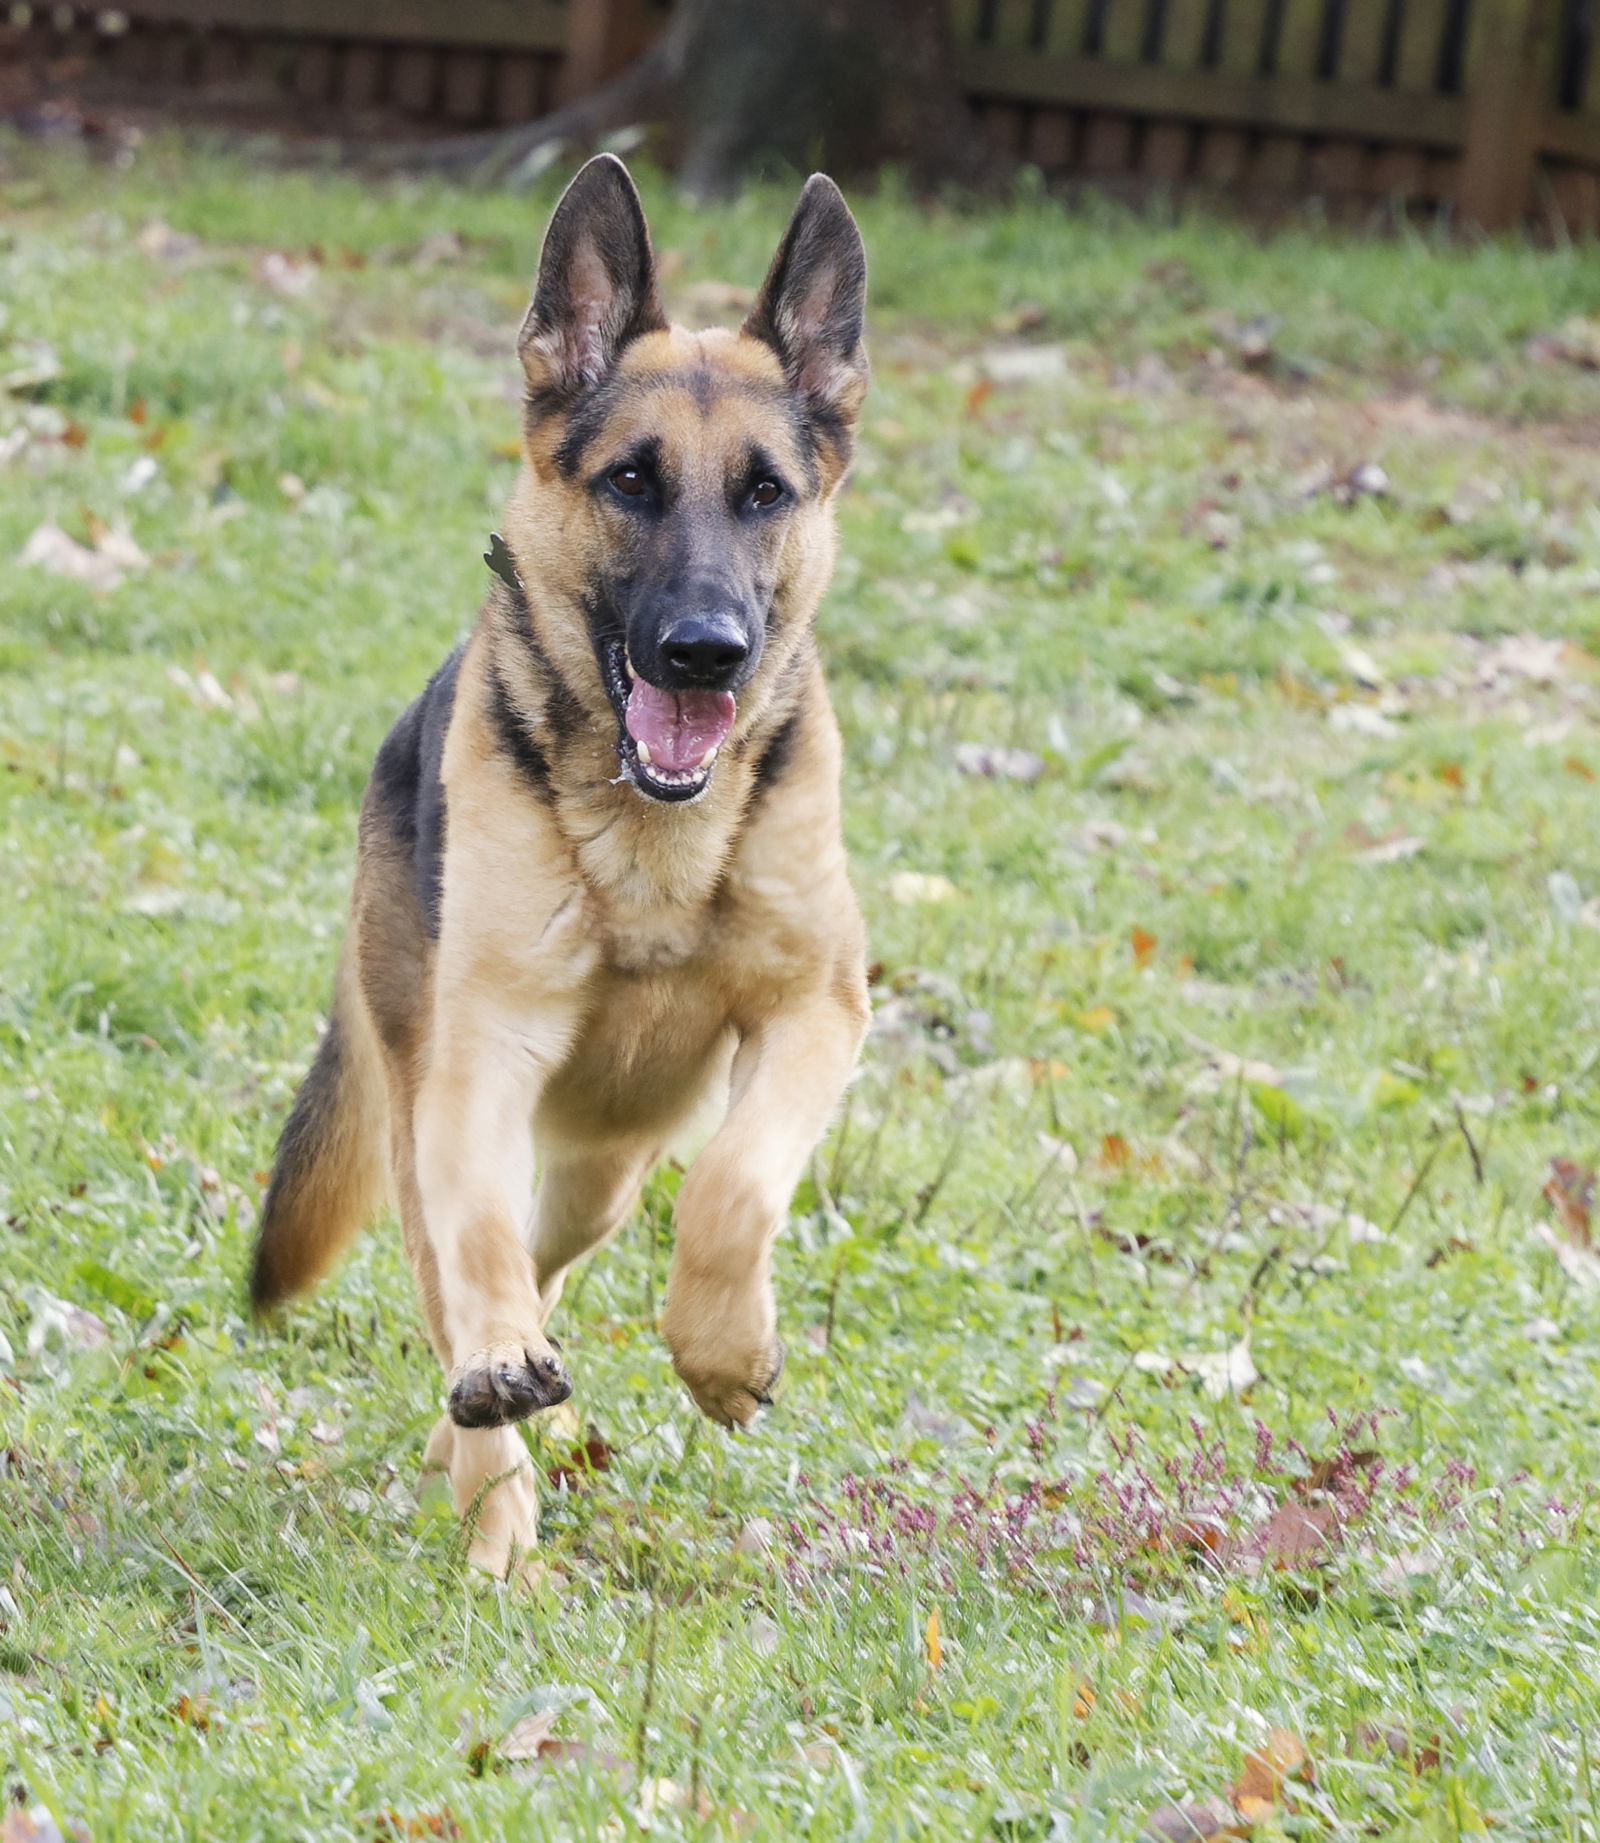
[{"x": 704, "y": 649}]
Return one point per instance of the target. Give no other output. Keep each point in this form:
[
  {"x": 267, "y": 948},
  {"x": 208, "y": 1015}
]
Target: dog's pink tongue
[{"x": 678, "y": 727}]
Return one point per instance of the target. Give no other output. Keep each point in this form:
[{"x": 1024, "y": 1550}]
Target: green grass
[{"x": 1308, "y": 803}]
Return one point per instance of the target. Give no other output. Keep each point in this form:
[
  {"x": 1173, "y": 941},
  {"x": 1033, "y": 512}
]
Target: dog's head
[{"x": 680, "y": 484}]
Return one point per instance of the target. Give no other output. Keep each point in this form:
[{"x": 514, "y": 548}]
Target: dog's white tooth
[
  {"x": 710, "y": 755},
  {"x": 642, "y": 749}
]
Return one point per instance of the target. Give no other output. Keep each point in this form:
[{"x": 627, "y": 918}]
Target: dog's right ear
[{"x": 597, "y": 283}]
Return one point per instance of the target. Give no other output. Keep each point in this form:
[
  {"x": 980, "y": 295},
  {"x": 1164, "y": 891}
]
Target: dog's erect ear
[
  {"x": 597, "y": 283},
  {"x": 811, "y": 306}
]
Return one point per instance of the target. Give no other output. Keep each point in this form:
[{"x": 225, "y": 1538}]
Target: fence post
[
  {"x": 1508, "y": 84},
  {"x": 604, "y": 37}
]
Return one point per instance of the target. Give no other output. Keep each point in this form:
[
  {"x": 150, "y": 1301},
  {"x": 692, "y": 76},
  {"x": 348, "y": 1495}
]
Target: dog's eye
[
  {"x": 766, "y": 493},
  {"x": 628, "y": 480}
]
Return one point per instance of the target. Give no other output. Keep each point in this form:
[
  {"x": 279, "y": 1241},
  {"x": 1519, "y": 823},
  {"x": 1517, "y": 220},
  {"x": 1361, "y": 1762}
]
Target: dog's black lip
[{"x": 614, "y": 675}]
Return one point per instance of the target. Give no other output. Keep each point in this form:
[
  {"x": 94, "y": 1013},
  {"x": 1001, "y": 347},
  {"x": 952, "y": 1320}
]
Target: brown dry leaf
[
  {"x": 1083, "y": 1700},
  {"x": 1570, "y": 1193},
  {"x": 388, "y": 1824},
  {"x": 1421, "y": 1756},
  {"x": 290, "y": 276},
  {"x": 1575, "y": 764},
  {"x": 1451, "y": 774},
  {"x": 113, "y": 557},
  {"x": 1281, "y": 1757},
  {"x": 1391, "y": 850},
  {"x": 979, "y": 395},
  {"x": 37, "y": 1826},
  {"x": 1299, "y": 1535},
  {"x": 1144, "y": 946},
  {"x": 995, "y": 763},
  {"x": 1210, "y": 1817},
  {"x": 579, "y": 1468},
  {"x": 195, "y": 1710},
  {"x": 1324, "y": 1471},
  {"x": 1114, "y": 1150},
  {"x": 532, "y": 1737}
]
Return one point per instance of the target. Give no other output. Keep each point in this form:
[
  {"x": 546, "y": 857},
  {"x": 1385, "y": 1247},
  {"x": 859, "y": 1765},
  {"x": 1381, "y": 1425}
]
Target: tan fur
[{"x": 605, "y": 966}]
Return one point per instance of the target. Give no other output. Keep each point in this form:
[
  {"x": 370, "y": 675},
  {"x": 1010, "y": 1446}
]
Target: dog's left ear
[
  {"x": 596, "y": 290},
  {"x": 813, "y": 303}
]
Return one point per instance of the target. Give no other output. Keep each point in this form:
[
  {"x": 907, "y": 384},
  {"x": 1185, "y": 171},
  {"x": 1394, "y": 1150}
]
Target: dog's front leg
[
  {"x": 474, "y": 1149},
  {"x": 720, "y": 1322},
  {"x": 472, "y": 1132}
]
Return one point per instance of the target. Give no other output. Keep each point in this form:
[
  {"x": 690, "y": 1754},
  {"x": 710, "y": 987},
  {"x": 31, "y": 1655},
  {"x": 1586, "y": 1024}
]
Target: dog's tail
[{"x": 330, "y": 1171}]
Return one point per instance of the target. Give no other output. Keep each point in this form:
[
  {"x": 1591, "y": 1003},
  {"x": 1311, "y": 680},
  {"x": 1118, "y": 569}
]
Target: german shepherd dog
[{"x": 600, "y": 886}]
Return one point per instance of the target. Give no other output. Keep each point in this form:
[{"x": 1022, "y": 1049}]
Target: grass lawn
[{"x": 1189, "y": 1333}]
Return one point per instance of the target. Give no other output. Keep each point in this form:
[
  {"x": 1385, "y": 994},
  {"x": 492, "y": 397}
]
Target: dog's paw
[
  {"x": 506, "y": 1383},
  {"x": 733, "y": 1396}
]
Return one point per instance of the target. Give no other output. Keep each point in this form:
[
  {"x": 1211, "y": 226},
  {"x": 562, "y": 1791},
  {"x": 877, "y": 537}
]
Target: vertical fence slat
[
  {"x": 965, "y": 18},
  {"x": 1169, "y": 146},
  {"x": 1280, "y": 163},
  {"x": 1067, "y": 29},
  {"x": 1421, "y": 37},
  {"x": 1508, "y": 89},
  {"x": 1225, "y": 152},
  {"x": 1590, "y": 80},
  {"x": 1244, "y": 32},
  {"x": 1361, "y": 42},
  {"x": 1183, "y": 33},
  {"x": 1299, "y": 38},
  {"x": 1122, "y": 33},
  {"x": 1013, "y": 25}
]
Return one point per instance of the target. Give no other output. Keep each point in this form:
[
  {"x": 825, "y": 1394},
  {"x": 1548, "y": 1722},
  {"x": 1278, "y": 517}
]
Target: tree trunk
[{"x": 739, "y": 87}]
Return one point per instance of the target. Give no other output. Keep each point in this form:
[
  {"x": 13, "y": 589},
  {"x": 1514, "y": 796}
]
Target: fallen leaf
[
  {"x": 1570, "y": 1193},
  {"x": 998, "y": 764},
  {"x": 583, "y": 1462},
  {"x": 1391, "y": 850},
  {"x": 1223, "y": 1372},
  {"x": 161, "y": 243},
  {"x": 290, "y": 276},
  {"x": 913, "y": 886},
  {"x": 1580, "y": 1265},
  {"x": 756, "y": 1537},
  {"x": 979, "y": 395},
  {"x": 37, "y": 1826},
  {"x": 388, "y": 1824},
  {"x": 1083, "y": 1699},
  {"x": 194, "y": 1710},
  {"x": 931, "y": 1638},
  {"x": 1299, "y": 1535},
  {"x": 1211, "y": 1817},
  {"x": 1144, "y": 946},
  {"x": 440, "y": 246},
  {"x": 1281, "y": 1757},
  {"x": 531, "y": 1738},
  {"x": 1421, "y": 1756},
  {"x": 1022, "y": 364},
  {"x": 1114, "y": 1150},
  {"x": 103, "y": 568},
  {"x": 1575, "y": 764}
]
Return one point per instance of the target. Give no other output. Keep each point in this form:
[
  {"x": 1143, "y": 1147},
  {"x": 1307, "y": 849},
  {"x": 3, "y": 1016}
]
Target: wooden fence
[{"x": 1489, "y": 107}]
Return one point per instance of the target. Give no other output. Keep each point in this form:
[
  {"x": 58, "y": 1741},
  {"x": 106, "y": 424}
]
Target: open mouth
[{"x": 667, "y": 740}]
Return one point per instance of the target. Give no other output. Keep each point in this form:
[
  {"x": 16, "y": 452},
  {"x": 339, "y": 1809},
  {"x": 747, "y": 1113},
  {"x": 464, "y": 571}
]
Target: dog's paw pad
[{"x": 501, "y": 1388}]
